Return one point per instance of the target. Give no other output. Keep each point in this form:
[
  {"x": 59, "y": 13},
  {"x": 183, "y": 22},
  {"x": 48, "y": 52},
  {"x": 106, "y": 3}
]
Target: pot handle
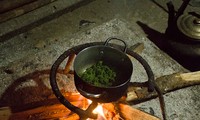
[{"x": 113, "y": 38}]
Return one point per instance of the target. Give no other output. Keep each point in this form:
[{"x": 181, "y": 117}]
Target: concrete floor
[
  {"x": 62, "y": 18},
  {"x": 29, "y": 37}
]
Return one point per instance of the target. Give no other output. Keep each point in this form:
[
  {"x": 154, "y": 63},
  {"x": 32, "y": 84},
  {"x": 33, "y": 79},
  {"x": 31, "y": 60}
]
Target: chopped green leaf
[{"x": 99, "y": 75}]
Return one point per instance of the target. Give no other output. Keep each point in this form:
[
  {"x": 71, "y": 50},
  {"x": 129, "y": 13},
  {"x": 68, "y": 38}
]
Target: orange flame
[{"x": 99, "y": 111}]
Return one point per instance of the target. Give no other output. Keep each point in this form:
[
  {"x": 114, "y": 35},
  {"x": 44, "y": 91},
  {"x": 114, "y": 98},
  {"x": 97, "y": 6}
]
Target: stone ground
[{"x": 35, "y": 40}]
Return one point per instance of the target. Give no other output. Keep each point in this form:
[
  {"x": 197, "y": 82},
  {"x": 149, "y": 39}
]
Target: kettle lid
[{"x": 189, "y": 25}]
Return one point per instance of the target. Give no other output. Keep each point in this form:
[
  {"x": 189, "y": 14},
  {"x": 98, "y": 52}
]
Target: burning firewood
[
  {"x": 55, "y": 111},
  {"x": 129, "y": 113},
  {"x": 120, "y": 111},
  {"x": 114, "y": 111},
  {"x": 69, "y": 63}
]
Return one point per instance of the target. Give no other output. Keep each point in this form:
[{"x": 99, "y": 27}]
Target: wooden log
[
  {"x": 193, "y": 76},
  {"x": 130, "y": 113},
  {"x": 54, "y": 111},
  {"x": 48, "y": 111},
  {"x": 5, "y": 113},
  {"x": 69, "y": 63},
  {"x": 166, "y": 84},
  {"x": 120, "y": 111},
  {"x": 138, "y": 47},
  {"x": 178, "y": 80}
]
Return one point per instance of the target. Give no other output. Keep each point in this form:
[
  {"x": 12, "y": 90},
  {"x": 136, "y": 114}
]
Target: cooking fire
[
  {"x": 69, "y": 102},
  {"x": 115, "y": 62}
]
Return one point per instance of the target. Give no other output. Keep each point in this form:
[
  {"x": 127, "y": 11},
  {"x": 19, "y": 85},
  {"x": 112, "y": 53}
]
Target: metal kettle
[
  {"x": 183, "y": 35},
  {"x": 187, "y": 25}
]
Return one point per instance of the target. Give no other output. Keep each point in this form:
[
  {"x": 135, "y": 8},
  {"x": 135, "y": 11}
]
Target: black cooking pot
[{"x": 111, "y": 57}]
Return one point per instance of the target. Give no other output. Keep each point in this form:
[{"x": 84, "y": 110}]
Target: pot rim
[{"x": 110, "y": 47}]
